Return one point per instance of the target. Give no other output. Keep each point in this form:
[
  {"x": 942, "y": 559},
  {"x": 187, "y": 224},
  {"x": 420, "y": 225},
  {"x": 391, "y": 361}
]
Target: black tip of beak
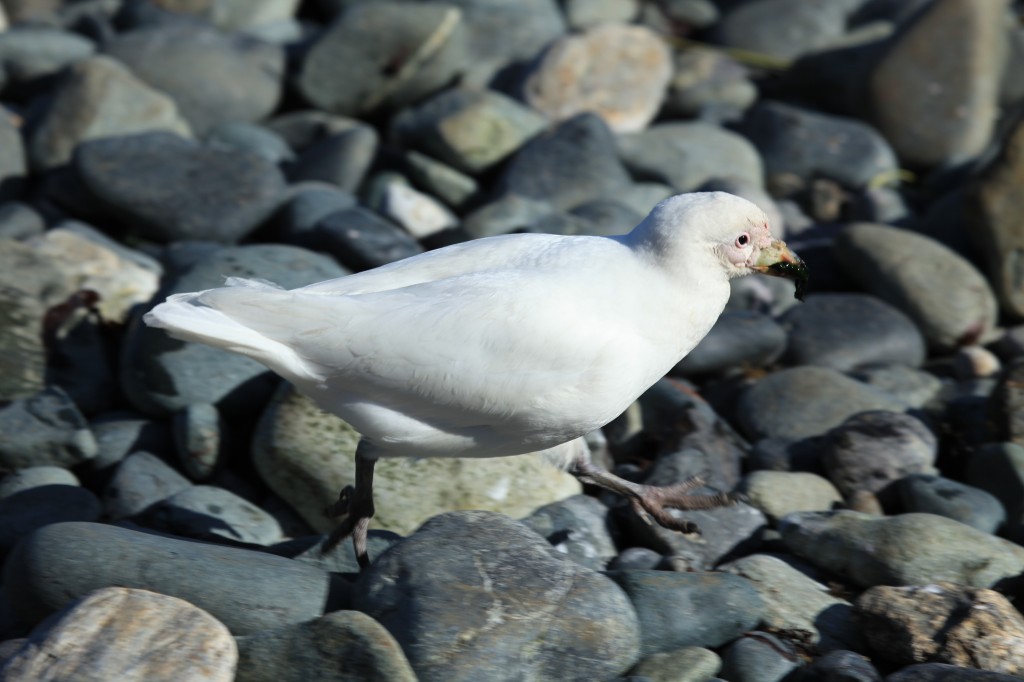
[{"x": 796, "y": 271}]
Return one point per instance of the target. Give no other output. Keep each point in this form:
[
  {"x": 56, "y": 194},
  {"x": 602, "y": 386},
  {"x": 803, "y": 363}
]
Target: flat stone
[
  {"x": 337, "y": 647},
  {"x": 495, "y": 601},
  {"x": 687, "y": 155},
  {"x": 801, "y": 402},
  {"x": 909, "y": 549},
  {"x": 872, "y": 450},
  {"x": 945, "y": 497},
  {"x": 571, "y": 163},
  {"x": 251, "y": 138},
  {"x": 801, "y": 142},
  {"x": 472, "y": 130},
  {"x": 168, "y": 188},
  {"x": 307, "y": 456},
  {"x": 214, "y": 514},
  {"x": 99, "y": 97},
  {"x": 383, "y": 55},
  {"x": 442, "y": 181},
  {"x": 247, "y": 591},
  {"x": 44, "y": 429},
  {"x": 116, "y": 633},
  {"x": 617, "y": 71},
  {"x": 797, "y": 603},
  {"x": 777, "y": 493},
  {"x": 934, "y": 93},
  {"x": 675, "y": 608},
  {"x": 948, "y": 299},
  {"x": 193, "y": 63},
  {"x": 945, "y": 623},
  {"x": 849, "y": 331}
]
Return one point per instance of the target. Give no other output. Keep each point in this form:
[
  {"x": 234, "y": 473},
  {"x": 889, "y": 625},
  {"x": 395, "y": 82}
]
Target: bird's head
[{"x": 732, "y": 228}]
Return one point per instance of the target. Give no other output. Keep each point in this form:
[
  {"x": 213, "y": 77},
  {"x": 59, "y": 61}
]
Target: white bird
[{"x": 498, "y": 346}]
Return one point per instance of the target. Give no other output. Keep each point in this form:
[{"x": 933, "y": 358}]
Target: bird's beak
[{"x": 777, "y": 259}]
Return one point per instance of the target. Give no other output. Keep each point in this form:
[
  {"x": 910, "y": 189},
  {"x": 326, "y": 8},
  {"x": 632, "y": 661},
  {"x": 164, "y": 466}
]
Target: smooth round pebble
[
  {"x": 32, "y": 477},
  {"x": 952, "y": 499},
  {"x": 777, "y": 493},
  {"x": 758, "y": 657},
  {"x": 214, "y": 514},
  {"x": 578, "y": 527},
  {"x": 141, "y": 479}
]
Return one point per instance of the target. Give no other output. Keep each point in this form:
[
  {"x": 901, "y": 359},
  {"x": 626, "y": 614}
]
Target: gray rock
[
  {"x": 32, "y": 477},
  {"x": 567, "y": 165},
  {"x": 725, "y": 533},
  {"x": 998, "y": 468},
  {"x": 26, "y": 510},
  {"x": 98, "y": 97},
  {"x": 945, "y": 497},
  {"x": 508, "y": 214},
  {"x": 848, "y": 331},
  {"x": 872, "y": 450},
  {"x": 739, "y": 338},
  {"x": 807, "y": 144},
  {"x": 617, "y": 71},
  {"x": 162, "y": 375},
  {"x": 210, "y": 513},
  {"x": 709, "y": 85},
  {"x": 445, "y": 182},
  {"x": 934, "y": 92},
  {"x": 943, "y": 622},
  {"x": 687, "y": 664},
  {"x": 777, "y": 493},
  {"x": 911, "y": 387},
  {"x": 337, "y": 647},
  {"x": 495, "y": 601},
  {"x": 141, "y": 479},
  {"x": 471, "y": 130},
  {"x": 193, "y": 63},
  {"x": 20, "y": 221},
  {"x": 167, "y": 188},
  {"x": 120, "y": 434},
  {"x": 938, "y": 289},
  {"x": 606, "y": 217},
  {"x": 247, "y": 591},
  {"x": 13, "y": 165},
  {"x": 909, "y": 549},
  {"x": 578, "y": 527},
  {"x": 383, "y": 55},
  {"x": 638, "y": 558},
  {"x": 839, "y": 666},
  {"x": 341, "y": 159},
  {"x": 29, "y": 52},
  {"x": 500, "y": 33},
  {"x": 805, "y": 401},
  {"x": 758, "y": 657},
  {"x": 798, "y": 604},
  {"x": 358, "y": 238},
  {"x": 79, "y": 359},
  {"x": 249, "y": 138},
  {"x": 420, "y": 214},
  {"x": 990, "y": 204},
  {"x": 124, "y": 634},
  {"x": 690, "y": 609},
  {"x": 198, "y": 433},
  {"x": 342, "y": 558},
  {"x": 687, "y": 155},
  {"x": 781, "y": 28},
  {"x": 44, "y": 429}
]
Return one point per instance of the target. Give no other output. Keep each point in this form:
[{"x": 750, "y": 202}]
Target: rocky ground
[{"x": 161, "y": 510}]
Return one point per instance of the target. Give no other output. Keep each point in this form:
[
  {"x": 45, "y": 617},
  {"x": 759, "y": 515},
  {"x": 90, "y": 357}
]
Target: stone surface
[
  {"x": 944, "y": 623},
  {"x": 44, "y": 429},
  {"x": 686, "y": 155},
  {"x": 758, "y": 657},
  {"x": 247, "y": 591},
  {"x": 213, "y": 76},
  {"x": 673, "y": 608},
  {"x": 615, "y": 70},
  {"x": 687, "y": 664},
  {"x": 214, "y": 514},
  {"x": 709, "y": 85},
  {"x": 781, "y": 28},
  {"x": 578, "y": 527},
  {"x": 31, "y": 477},
  {"x": 777, "y": 493},
  {"x": 98, "y": 97},
  {"x": 938, "y": 289},
  {"x": 805, "y": 401},
  {"x": 117, "y": 633},
  {"x": 797, "y": 604},
  {"x": 872, "y": 450},
  {"x": 307, "y": 456},
  {"x": 909, "y": 549},
  {"x": 849, "y": 331},
  {"x": 166, "y": 187},
  {"x": 945, "y": 497},
  {"x": 943, "y": 672},
  {"x": 341, "y": 646},
  {"x": 934, "y": 92},
  {"x": 740, "y": 338},
  {"x": 502, "y": 607},
  {"x": 141, "y": 479}
]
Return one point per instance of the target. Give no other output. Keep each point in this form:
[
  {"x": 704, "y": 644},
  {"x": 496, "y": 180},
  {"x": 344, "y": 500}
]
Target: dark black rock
[{"x": 738, "y": 339}]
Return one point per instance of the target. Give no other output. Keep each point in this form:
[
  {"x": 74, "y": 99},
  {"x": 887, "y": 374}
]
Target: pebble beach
[{"x": 162, "y": 502}]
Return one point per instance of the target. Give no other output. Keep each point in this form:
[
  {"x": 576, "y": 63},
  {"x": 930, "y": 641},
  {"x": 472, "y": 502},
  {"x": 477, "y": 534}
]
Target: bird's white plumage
[{"x": 496, "y": 346}]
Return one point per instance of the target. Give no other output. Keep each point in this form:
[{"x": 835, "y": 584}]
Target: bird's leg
[
  {"x": 652, "y": 501},
  {"x": 356, "y": 504}
]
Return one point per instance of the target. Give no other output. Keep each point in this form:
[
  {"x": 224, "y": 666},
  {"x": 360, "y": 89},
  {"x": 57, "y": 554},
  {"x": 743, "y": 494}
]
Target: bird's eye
[{"x": 743, "y": 240}]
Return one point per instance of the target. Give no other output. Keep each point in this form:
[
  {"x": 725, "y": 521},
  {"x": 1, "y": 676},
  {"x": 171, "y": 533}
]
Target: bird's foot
[
  {"x": 358, "y": 510},
  {"x": 652, "y": 502}
]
